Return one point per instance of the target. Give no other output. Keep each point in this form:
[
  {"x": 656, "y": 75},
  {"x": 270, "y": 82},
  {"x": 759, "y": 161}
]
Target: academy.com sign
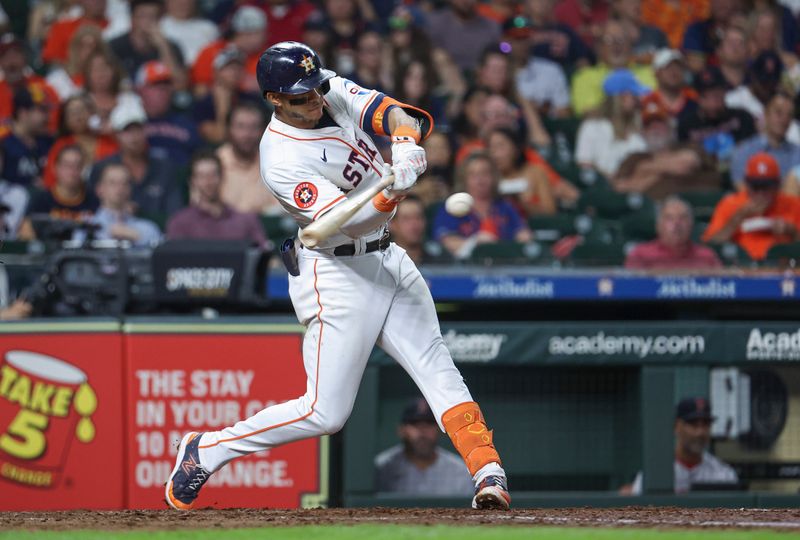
[
  {"x": 763, "y": 345},
  {"x": 638, "y": 346}
]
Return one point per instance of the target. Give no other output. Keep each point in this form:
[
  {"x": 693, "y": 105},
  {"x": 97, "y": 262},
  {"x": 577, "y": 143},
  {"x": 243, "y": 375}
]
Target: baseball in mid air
[{"x": 459, "y": 204}]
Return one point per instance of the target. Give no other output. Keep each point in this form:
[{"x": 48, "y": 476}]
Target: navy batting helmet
[{"x": 290, "y": 67}]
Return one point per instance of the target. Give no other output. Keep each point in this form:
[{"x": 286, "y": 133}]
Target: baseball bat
[{"x": 330, "y": 222}]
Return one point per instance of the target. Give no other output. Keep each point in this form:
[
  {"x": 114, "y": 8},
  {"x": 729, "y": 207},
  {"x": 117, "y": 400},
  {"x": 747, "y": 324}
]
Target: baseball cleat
[
  {"x": 492, "y": 494},
  {"x": 188, "y": 476}
]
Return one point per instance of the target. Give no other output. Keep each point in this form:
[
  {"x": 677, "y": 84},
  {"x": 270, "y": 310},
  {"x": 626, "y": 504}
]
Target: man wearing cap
[
  {"x": 155, "y": 191},
  {"x": 25, "y": 148},
  {"x": 773, "y": 139},
  {"x": 211, "y": 111},
  {"x": 714, "y": 126},
  {"x": 615, "y": 53},
  {"x": 170, "y": 134},
  {"x": 667, "y": 167},
  {"x": 145, "y": 42},
  {"x": 759, "y": 216},
  {"x": 249, "y": 35},
  {"x": 418, "y": 465},
  {"x": 672, "y": 91},
  {"x": 538, "y": 80},
  {"x": 694, "y": 464},
  {"x": 16, "y": 73}
]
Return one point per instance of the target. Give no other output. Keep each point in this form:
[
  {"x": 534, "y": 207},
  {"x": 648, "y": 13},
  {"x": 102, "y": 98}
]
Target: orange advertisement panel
[
  {"x": 61, "y": 418},
  {"x": 180, "y": 382}
]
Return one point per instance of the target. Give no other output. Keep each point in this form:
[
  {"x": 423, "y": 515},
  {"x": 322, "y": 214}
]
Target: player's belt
[{"x": 348, "y": 250}]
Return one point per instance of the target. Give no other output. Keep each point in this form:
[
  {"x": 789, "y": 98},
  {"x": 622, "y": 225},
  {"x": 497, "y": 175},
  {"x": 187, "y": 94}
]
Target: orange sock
[{"x": 465, "y": 425}]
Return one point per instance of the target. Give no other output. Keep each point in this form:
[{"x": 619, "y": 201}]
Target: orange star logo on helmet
[{"x": 308, "y": 63}]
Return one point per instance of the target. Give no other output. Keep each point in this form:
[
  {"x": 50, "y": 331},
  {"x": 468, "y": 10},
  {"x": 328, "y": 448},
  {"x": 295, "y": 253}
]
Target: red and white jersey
[{"x": 311, "y": 170}]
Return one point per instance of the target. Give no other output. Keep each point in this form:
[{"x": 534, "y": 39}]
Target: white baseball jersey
[
  {"x": 348, "y": 304},
  {"x": 309, "y": 171}
]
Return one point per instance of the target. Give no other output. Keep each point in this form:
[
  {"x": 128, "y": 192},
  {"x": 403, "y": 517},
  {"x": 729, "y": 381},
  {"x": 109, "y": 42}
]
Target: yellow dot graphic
[
  {"x": 85, "y": 430},
  {"x": 85, "y": 400}
]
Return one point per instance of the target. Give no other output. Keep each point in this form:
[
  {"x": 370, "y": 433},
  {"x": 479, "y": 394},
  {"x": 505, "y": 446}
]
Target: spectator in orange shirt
[
  {"x": 57, "y": 47},
  {"x": 759, "y": 216},
  {"x": 249, "y": 27},
  {"x": 76, "y": 128},
  {"x": 17, "y": 74}
]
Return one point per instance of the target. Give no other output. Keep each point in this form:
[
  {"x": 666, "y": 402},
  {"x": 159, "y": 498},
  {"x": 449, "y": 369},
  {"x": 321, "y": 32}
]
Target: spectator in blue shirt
[
  {"x": 114, "y": 217},
  {"x": 171, "y": 135},
  {"x": 491, "y": 219},
  {"x": 26, "y": 147},
  {"x": 702, "y": 37},
  {"x": 772, "y": 140}
]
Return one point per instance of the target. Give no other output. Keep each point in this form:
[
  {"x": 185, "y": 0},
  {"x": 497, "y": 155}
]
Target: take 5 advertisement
[
  {"x": 61, "y": 421},
  {"x": 91, "y": 419}
]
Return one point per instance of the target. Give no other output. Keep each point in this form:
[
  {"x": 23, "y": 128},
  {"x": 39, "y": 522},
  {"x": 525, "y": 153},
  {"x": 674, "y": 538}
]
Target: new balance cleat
[
  {"x": 492, "y": 494},
  {"x": 188, "y": 476}
]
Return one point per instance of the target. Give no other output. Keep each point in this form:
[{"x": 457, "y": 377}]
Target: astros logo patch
[
  {"x": 305, "y": 194},
  {"x": 308, "y": 63}
]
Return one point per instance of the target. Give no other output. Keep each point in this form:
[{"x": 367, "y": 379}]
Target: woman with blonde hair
[
  {"x": 69, "y": 79},
  {"x": 605, "y": 141}
]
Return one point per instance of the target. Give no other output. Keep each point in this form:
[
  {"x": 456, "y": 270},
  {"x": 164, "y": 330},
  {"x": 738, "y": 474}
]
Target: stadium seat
[
  {"x": 639, "y": 226},
  {"x": 595, "y": 253},
  {"x": 551, "y": 228},
  {"x": 733, "y": 255},
  {"x": 702, "y": 202},
  {"x": 563, "y": 131},
  {"x": 606, "y": 203},
  {"x": 784, "y": 254},
  {"x": 508, "y": 253}
]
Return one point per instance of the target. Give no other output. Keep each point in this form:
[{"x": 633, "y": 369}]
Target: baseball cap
[
  {"x": 29, "y": 96},
  {"x": 128, "y": 111},
  {"x": 517, "y": 27},
  {"x": 693, "y": 408},
  {"x": 767, "y": 67},
  {"x": 417, "y": 410},
  {"x": 623, "y": 81},
  {"x": 226, "y": 56},
  {"x": 665, "y": 57},
  {"x": 248, "y": 19},
  {"x": 153, "y": 72},
  {"x": 710, "y": 78},
  {"x": 762, "y": 170},
  {"x": 653, "y": 109},
  {"x": 9, "y": 41}
]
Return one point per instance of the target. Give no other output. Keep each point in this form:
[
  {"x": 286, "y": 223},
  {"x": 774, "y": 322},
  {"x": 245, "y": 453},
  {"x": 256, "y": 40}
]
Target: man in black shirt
[
  {"x": 26, "y": 147},
  {"x": 713, "y": 125}
]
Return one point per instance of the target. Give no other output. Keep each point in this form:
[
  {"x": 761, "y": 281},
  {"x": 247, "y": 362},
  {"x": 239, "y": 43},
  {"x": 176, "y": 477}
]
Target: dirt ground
[{"x": 665, "y": 518}]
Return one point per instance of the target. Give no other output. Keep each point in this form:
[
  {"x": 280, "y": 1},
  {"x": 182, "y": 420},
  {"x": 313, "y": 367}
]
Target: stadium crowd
[{"x": 591, "y": 129}]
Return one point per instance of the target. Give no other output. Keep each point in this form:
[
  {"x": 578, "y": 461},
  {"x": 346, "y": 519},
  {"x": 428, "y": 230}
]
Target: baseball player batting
[{"x": 354, "y": 288}]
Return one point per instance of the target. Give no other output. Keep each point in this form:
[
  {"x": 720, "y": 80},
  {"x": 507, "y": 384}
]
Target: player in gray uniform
[{"x": 694, "y": 464}]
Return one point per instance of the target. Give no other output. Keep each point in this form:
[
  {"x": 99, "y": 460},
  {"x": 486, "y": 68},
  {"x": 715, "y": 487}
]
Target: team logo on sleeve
[{"x": 305, "y": 194}]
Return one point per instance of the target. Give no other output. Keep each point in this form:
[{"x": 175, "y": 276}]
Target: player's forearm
[
  {"x": 367, "y": 219},
  {"x": 398, "y": 117}
]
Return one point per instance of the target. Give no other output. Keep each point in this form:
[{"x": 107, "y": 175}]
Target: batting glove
[{"x": 408, "y": 162}]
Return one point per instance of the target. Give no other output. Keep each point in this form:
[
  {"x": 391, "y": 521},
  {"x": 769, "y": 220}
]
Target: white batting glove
[
  {"x": 392, "y": 192},
  {"x": 408, "y": 163}
]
